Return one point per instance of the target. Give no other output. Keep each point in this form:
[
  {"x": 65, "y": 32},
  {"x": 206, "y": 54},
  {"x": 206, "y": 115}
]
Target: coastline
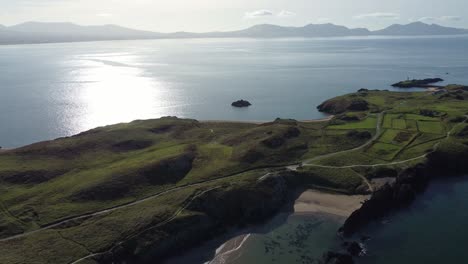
[
  {"x": 258, "y": 122},
  {"x": 409, "y": 180},
  {"x": 309, "y": 203},
  {"x": 326, "y": 119}
]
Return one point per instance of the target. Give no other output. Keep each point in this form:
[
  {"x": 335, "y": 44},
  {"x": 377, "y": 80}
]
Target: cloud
[
  {"x": 427, "y": 19},
  {"x": 378, "y": 15},
  {"x": 259, "y": 13},
  {"x": 285, "y": 13},
  {"x": 440, "y": 19}
]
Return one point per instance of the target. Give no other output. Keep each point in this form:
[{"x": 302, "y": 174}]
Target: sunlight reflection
[{"x": 115, "y": 92}]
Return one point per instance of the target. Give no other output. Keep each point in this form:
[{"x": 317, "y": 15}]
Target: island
[
  {"x": 150, "y": 189},
  {"x": 415, "y": 83},
  {"x": 241, "y": 103}
]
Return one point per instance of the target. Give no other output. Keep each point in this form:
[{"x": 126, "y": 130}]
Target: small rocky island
[
  {"x": 241, "y": 103},
  {"x": 424, "y": 83}
]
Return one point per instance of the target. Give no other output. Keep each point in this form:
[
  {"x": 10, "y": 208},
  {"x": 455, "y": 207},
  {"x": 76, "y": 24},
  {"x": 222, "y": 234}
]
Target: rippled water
[
  {"x": 432, "y": 231},
  {"x": 53, "y": 90}
]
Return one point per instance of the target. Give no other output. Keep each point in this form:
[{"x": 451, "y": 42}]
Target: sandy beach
[
  {"x": 309, "y": 202},
  {"x": 312, "y": 201}
]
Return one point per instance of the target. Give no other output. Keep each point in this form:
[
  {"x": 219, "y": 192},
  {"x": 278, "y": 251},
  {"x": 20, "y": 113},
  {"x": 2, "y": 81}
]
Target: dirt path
[
  {"x": 112, "y": 209},
  {"x": 109, "y": 210},
  {"x": 449, "y": 133},
  {"x": 306, "y": 163},
  {"x": 378, "y": 131},
  {"x": 168, "y": 220},
  {"x": 367, "y": 182}
]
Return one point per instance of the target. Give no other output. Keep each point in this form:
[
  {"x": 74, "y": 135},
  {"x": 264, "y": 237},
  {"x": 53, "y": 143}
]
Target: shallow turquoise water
[
  {"x": 55, "y": 90},
  {"x": 285, "y": 239},
  {"x": 432, "y": 231},
  {"x": 301, "y": 239}
]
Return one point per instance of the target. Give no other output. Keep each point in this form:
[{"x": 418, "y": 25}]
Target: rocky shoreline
[
  {"x": 242, "y": 206},
  {"x": 409, "y": 183},
  {"x": 384, "y": 200},
  {"x": 424, "y": 83},
  {"x": 392, "y": 197},
  {"x": 356, "y": 152}
]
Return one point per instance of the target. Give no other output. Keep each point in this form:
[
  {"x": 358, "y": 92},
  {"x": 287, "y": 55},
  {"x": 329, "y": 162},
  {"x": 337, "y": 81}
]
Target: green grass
[
  {"x": 368, "y": 123},
  {"x": 114, "y": 165},
  {"x": 340, "y": 180},
  {"x": 432, "y": 127},
  {"x": 399, "y": 124},
  {"x": 423, "y": 138},
  {"x": 388, "y": 120},
  {"x": 412, "y": 125},
  {"x": 388, "y": 136},
  {"x": 421, "y": 117},
  {"x": 384, "y": 151}
]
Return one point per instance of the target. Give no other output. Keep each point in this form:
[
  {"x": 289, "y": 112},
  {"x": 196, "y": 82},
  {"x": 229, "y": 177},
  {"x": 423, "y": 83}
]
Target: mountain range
[{"x": 38, "y": 32}]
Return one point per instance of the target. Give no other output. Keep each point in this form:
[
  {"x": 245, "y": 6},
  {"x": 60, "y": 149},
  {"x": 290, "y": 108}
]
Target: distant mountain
[
  {"x": 274, "y": 31},
  {"x": 320, "y": 30},
  {"x": 37, "y": 32},
  {"x": 419, "y": 28},
  {"x": 73, "y": 29}
]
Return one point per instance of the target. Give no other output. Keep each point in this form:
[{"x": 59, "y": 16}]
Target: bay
[{"x": 55, "y": 90}]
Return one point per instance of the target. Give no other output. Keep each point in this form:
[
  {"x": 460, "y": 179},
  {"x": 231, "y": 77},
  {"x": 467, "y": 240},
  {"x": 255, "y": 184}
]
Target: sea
[
  {"x": 431, "y": 231},
  {"x": 57, "y": 90}
]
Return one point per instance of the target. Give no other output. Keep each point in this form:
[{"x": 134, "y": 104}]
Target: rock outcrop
[
  {"x": 211, "y": 214},
  {"x": 341, "y": 105},
  {"x": 424, "y": 83},
  {"x": 353, "y": 248},
  {"x": 241, "y": 103},
  {"x": 449, "y": 159}
]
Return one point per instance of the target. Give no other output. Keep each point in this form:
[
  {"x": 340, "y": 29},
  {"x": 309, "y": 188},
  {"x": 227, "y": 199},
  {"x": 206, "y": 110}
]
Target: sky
[{"x": 222, "y": 15}]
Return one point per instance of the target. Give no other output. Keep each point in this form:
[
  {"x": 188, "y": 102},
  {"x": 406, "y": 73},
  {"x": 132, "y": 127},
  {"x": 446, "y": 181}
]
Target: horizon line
[{"x": 222, "y": 31}]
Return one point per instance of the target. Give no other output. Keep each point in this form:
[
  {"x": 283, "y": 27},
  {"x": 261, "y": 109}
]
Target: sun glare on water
[{"x": 112, "y": 92}]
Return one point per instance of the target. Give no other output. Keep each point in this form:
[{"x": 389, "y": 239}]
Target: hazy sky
[{"x": 208, "y": 15}]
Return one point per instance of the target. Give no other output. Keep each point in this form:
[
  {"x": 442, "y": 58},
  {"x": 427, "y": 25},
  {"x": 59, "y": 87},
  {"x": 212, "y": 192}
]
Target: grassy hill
[{"x": 140, "y": 191}]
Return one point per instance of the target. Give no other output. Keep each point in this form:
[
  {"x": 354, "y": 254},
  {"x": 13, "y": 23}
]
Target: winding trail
[
  {"x": 122, "y": 206},
  {"x": 436, "y": 146},
  {"x": 177, "y": 213},
  {"x": 115, "y": 208},
  {"x": 367, "y": 182},
  {"x": 307, "y": 163},
  {"x": 378, "y": 132}
]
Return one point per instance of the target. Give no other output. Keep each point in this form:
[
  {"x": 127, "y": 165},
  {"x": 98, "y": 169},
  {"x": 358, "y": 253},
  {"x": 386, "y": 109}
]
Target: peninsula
[
  {"x": 424, "y": 83},
  {"x": 145, "y": 190}
]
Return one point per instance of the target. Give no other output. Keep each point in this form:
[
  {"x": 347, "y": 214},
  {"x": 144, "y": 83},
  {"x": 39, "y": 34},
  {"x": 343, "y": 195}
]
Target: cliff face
[
  {"x": 209, "y": 215},
  {"x": 449, "y": 159}
]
